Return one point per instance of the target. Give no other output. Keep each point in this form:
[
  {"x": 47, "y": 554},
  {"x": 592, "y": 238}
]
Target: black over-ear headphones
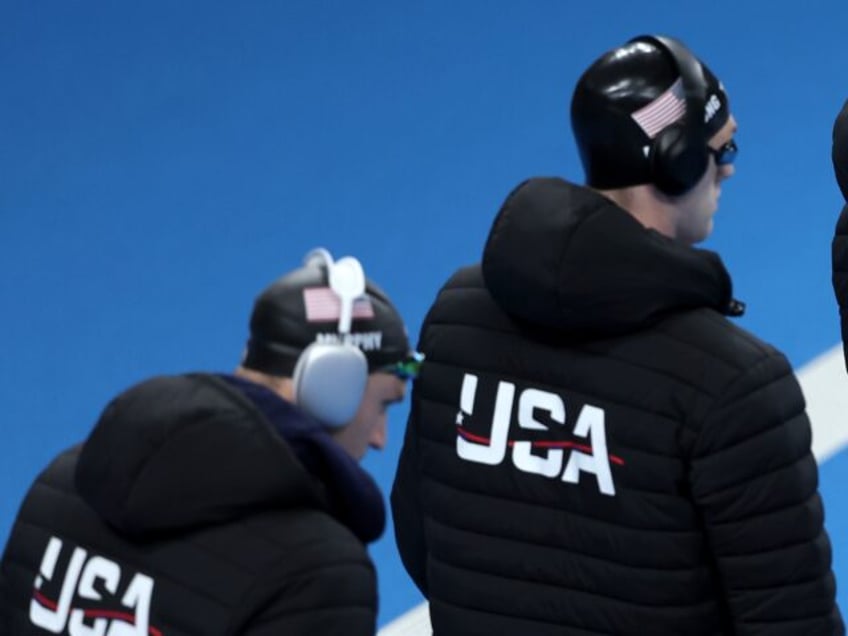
[
  {"x": 329, "y": 377},
  {"x": 678, "y": 156}
]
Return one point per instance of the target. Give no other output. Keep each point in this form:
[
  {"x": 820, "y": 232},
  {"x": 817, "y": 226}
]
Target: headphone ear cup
[
  {"x": 678, "y": 158},
  {"x": 329, "y": 382}
]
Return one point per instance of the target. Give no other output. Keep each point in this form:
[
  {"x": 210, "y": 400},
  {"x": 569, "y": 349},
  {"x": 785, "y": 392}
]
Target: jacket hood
[
  {"x": 564, "y": 257},
  {"x": 182, "y": 451}
]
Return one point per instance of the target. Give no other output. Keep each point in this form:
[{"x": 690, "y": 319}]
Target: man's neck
[
  {"x": 282, "y": 386},
  {"x": 648, "y": 206}
]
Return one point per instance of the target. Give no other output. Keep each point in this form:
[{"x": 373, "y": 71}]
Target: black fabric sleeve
[
  {"x": 333, "y": 593},
  {"x": 755, "y": 482},
  {"x": 406, "y": 505}
]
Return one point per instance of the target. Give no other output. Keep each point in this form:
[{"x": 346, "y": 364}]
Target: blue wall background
[{"x": 161, "y": 162}]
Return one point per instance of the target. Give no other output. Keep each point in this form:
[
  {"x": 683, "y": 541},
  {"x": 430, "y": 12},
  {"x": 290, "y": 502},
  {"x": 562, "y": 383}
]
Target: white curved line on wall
[{"x": 825, "y": 386}]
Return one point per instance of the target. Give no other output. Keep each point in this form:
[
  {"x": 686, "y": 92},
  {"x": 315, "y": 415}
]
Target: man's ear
[{"x": 840, "y": 149}]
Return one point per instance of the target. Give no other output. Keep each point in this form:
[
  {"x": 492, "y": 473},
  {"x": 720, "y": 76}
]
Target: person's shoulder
[
  {"x": 720, "y": 339},
  {"x": 59, "y": 473},
  {"x": 306, "y": 534},
  {"x": 303, "y": 544},
  {"x": 465, "y": 281},
  {"x": 466, "y": 277},
  {"x": 465, "y": 300}
]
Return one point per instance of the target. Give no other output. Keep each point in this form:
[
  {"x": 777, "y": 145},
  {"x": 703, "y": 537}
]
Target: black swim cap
[
  {"x": 300, "y": 308},
  {"x": 625, "y": 99}
]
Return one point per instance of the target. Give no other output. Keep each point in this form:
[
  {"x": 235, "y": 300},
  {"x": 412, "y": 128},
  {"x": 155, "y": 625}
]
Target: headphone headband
[
  {"x": 691, "y": 74},
  {"x": 678, "y": 155},
  {"x": 330, "y": 378},
  {"x": 345, "y": 277}
]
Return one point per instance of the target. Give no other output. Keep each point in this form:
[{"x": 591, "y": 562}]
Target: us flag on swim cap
[
  {"x": 323, "y": 305},
  {"x": 663, "y": 111}
]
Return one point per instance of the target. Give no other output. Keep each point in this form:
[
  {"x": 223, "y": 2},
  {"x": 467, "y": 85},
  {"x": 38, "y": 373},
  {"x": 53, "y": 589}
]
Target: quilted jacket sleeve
[
  {"x": 328, "y": 589},
  {"x": 406, "y": 506},
  {"x": 755, "y": 483}
]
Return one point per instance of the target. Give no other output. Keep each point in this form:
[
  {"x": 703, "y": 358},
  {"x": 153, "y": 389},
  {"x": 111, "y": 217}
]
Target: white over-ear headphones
[{"x": 329, "y": 378}]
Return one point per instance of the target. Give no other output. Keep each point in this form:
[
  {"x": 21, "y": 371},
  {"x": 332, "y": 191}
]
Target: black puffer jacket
[
  {"x": 840, "y": 275},
  {"x": 840, "y": 238},
  {"x": 199, "y": 505},
  {"x": 594, "y": 448}
]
